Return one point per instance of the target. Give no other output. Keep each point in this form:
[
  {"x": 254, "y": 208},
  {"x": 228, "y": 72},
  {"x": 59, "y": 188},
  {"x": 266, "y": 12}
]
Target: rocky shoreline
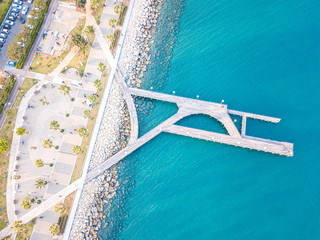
[
  {"x": 136, "y": 48},
  {"x": 115, "y": 127},
  {"x": 112, "y": 136}
]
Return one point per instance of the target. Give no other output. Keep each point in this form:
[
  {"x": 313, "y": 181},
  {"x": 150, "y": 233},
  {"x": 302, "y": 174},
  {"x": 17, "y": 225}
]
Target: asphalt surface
[
  {"x": 15, "y": 29},
  {"x": 4, "y": 58}
]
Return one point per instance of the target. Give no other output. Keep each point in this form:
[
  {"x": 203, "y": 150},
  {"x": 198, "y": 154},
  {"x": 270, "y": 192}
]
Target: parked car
[
  {"x": 12, "y": 63},
  {"x": 3, "y": 35},
  {"x": 24, "y": 9},
  {"x": 9, "y": 22},
  {"x": 16, "y": 6},
  {"x": 2, "y": 40},
  {"x": 30, "y": 1},
  {"x": 12, "y": 18},
  {"x": 15, "y": 10},
  {"x": 13, "y": 14},
  {"x": 6, "y": 31},
  {"x": 17, "y": 2},
  {"x": 1, "y": 44},
  {"x": 21, "y": 19},
  {"x": 6, "y": 26}
]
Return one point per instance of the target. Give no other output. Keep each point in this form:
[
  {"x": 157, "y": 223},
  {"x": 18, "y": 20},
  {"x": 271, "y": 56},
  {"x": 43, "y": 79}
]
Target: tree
[
  {"x": 82, "y": 132},
  {"x": 65, "y": 89},
  {"x": 86, "y": 113},
  {"x": 97, "y": 84},
  {"x": 17, "y": 226},
  {"x": 39, "y": 163},
  {"x": 20, "y": 131},
  {"x": 77, "y": 149},
  {"x": 39, "y": 3},
  {"x": 26, "y": 203},
  {"x": 40, "y": 183},
  {"x": 116, "y": 9},
  {"x": 54, "y": 125},
  {"x": 8, "y": 112},
  {"x": 14, "y": 51},
  {"x": 89, "y": 30},
  {"x": 60, "y": 208},
  {"x": 4, "y": 146},
  {"x": 25, "y": 32},
  {"x": 110, "y": 37},
  {"x": 80, "y": 3},
  {"x": 54, "y": 229},
  {"x": 92, "y": 98},
  {"x": 32, "y": 21},
  {"x": 47, "y": 143},
  {"x": 43, "y": 100},
  {"x": 79, "y": 40},
  {"x": 95, "y": 4},
  {"x": 113, "y": 23},
  {"x": 101, "y": 67}
]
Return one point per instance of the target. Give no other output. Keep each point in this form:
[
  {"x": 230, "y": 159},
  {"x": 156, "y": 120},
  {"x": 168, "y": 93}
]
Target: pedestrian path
[{"x": 65, "y": 61}]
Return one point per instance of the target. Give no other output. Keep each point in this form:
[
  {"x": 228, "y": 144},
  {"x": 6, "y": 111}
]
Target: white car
[
  {"x": 6, "y": 31},
  {"x": 2, "y": 40},
  {"x": 24, "y": 9},
  {"x": 3, "y": 35},
  {"x": 17, "y": 2},
  {"x": 9, "y": 22},
  {"x": 16, "y": 6},
  {"x": 30, "y": 1}
]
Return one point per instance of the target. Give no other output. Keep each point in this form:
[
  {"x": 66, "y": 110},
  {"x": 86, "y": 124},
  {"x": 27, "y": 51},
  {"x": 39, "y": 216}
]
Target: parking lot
[{"x": 15, "y": 29}]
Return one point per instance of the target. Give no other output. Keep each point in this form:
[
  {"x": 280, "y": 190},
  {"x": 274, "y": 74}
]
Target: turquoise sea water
[{"x": 260, "y": 57}]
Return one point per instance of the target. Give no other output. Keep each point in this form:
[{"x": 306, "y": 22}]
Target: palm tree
[
  {"x": 65, "y": 89},
  {"x": 92, "y": 98},
  {"x": 101, "y": 67},
  {"x": 97, "y": 84},
  {"x": 40, "y": 183},
  {"x": 113, "y": 23},
  {"x": 82, "y": 132},
  {"x": 26, "y": 203},
  {"x": 39, "y": 163},
  {"x": 17, "y": 226},
  {"x": 89, "y": 30},
  {"x": 95, "y": 4},
  {"x": 43, "y": 100},
  {"x": 54, "y": 229},
  {"x": 110, "y": 37},
  {"x": 60, "y": 208},
  {"x": 47, "y": 143},
  {"x": 77, "y": 149},
  {"x": 54, "y": 125},
  {"x": 116, "y": 9},
  {"x": 86, "y": 113}
]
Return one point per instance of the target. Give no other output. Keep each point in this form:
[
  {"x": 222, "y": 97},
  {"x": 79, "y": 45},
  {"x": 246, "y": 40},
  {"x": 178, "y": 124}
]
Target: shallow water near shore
[{"x": 260, "y": 57}]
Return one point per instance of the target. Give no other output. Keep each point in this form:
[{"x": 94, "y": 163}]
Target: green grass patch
[
  {"x": 6, "y": 91},
  {"x": 79, "y": 61},
  {"x": 4, "y": 7},
  {"x": 6, "y": 132},
  {"x": 28, "y": 228}
]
